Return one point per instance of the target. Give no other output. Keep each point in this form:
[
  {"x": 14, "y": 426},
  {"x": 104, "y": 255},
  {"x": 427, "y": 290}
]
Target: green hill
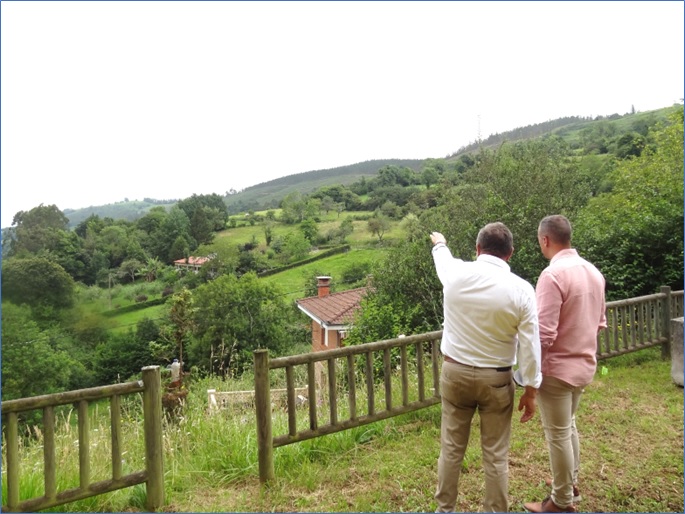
[
  {"x": 126, "y": 210},
  {"x": 267, "y": 195}
]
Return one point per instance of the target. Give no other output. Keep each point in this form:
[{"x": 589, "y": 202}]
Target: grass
[
  {"x": 630, "y": 421},
  {"x": 292, "y": 282}
]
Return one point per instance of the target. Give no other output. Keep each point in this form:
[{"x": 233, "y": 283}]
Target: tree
[
  {"x": 293, "y": 208},
  {"x": 378, "y": 225},
  {"x": 152, "y": 268},
  {"x": 429, "y": 176},
  {"x": 32, "y": 362},
  {"x": 202, "y": 226},
  {"x": 310, "y": 230},
  {"x": 295, "y": 246},
  {"x": 130, "y": 268},
  {"x": 345, "y": 229},
  {"x": 634, "y": 233},
  {"x": 327, "y": 204},
  {"x": 123, "y": 355},
  {"x": 38, "y": 229},
  {"x": 179, "y": 249},
  {"x": 391, "y": 210},
  {"x": 235, "y": 316},
  {"x": 182, "y": 322},
  {"x": 268, "y": 230},
  {"x": 215, "y": 212},
  {"x": 37, "y": 282}
]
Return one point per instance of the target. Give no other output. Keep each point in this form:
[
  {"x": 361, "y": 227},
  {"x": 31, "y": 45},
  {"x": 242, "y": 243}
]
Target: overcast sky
[{"x": 103, "y": 101}]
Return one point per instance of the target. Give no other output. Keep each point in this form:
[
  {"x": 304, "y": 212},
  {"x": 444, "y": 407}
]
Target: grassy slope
[
  {"x": 630, "y": 420},
  {"x": 632, "y": 458}
]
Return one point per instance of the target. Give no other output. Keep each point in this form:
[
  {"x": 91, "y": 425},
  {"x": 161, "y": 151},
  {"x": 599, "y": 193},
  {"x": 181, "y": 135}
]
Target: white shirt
[{"x": 490, "y": 315}]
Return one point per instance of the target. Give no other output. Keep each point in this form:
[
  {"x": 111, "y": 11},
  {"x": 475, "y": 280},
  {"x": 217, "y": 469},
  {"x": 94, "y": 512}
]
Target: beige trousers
[
  {"x": 558, "y": 402},
  {"x": 464, "y": 390}
]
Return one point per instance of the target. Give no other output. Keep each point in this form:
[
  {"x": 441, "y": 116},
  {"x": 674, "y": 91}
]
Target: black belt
[{"x": 450, "y": 359}]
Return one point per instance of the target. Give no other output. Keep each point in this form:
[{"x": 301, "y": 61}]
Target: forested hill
[
  {"x": 269, "y": 194},
  {"x": 577, "y": 131}
]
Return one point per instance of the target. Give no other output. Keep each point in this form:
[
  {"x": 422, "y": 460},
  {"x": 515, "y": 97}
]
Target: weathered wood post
[
  {"x": 262, "y": 400},
  {"x": 666, "y": 322},
  {"x": 152, "y": 423},
  {"x": 677, "y": 350},
  {"x": 12, "y": 462}
]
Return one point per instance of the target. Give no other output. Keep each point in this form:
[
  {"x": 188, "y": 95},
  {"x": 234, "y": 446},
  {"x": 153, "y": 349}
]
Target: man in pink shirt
[{"x": 571, "y": 310}]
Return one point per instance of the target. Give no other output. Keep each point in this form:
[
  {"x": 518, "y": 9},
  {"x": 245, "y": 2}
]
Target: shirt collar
[
  {"x": 491, "y": 259},
  {"x": 562, "y": 254}
]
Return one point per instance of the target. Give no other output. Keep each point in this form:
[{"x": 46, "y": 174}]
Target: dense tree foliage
[
  {"x": 37, "y": 282},
  {"x": 233, "y": 317},
  {"x": 634, "y": 233},
  {"x": 35, "y": 359}
]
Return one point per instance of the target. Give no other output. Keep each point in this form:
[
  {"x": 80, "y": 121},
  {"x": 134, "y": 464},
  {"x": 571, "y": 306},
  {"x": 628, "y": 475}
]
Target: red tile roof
[
  {"x": 197, "y": 261},
  {"x": 335, "y": 308}
]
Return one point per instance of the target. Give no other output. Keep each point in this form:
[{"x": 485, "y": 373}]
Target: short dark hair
[
  {"x": 557, "y": 228},
  {"x": 496, "y": 239}
]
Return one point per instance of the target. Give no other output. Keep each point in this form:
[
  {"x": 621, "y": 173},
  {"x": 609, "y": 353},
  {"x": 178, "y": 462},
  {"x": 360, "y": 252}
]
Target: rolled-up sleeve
[
  {"x": 444, "y": 263},
  {"x": 529, "y": 343},
  {"x": 549, "y": 300}
]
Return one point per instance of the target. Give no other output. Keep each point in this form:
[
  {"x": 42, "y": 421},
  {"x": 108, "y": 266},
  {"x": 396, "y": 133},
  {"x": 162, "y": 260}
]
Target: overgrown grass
[{"x": 630, "y": 420}]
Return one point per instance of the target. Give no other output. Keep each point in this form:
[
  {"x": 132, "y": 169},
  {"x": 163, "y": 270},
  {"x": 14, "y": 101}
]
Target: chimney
[{"x": 324, "y": 286}]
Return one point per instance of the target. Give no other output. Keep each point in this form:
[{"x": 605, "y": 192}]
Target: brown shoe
[
  {"x": 547, "y": 505},
  {"x": 576, "y": 492}
]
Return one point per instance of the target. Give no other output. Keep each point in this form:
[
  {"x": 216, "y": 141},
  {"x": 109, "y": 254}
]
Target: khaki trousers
[
  {"x": 464, "y": 390},
  {"x": 558, "y": 402}
]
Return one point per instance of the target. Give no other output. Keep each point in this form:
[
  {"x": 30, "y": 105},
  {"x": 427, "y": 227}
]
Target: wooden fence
[
  {"x": 426, "y": 347},
  {"x": 633, "y": 324},
  {"x": 640, "y": 322},
  {"x": 152, "y": 475}
]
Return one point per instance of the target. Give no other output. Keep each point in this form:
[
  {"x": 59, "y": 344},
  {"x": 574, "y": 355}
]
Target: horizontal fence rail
[
  {"x": 638, "y": 323},
  {"x": 152, "y": 475},
  {"x": 354, "y": 360}
]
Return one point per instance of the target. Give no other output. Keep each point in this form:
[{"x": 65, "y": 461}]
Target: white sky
[{"x": 103, "y": 101}]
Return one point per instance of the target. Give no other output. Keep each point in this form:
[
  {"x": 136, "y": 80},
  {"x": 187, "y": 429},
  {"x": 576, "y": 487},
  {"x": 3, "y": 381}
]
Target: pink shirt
[{"x": 571, "y": 310}]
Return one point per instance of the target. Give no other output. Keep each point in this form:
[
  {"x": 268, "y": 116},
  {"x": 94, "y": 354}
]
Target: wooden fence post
[
  {"x": 152, "y": 422},
  {"x": 12, "y": 462},
  {"x": 262, "y": 396},
  {"x": 666, "y": 322}
]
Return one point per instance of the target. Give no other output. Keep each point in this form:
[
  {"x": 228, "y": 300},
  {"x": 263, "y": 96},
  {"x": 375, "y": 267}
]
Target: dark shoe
[
  {"x": 576, "y": 492},
  {"x": 547, "y": 505}
]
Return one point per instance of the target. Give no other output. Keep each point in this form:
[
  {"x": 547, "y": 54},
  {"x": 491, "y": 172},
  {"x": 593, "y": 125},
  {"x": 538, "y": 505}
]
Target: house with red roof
[
  {"x": 190, "y": 263},
  {"x": 332, "y": 314}
]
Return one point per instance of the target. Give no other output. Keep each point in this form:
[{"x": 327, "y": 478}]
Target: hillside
[
  {"x": 267, "y": 195},
  {"x": 126, "y": 210}
]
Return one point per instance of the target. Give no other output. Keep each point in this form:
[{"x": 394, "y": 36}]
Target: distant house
[
  {"x": 191, "y": 263},
  {"x": 331, "y": 313}
]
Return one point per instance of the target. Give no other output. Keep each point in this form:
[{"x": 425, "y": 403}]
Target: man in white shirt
[{"x": 490, "y": 317}]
